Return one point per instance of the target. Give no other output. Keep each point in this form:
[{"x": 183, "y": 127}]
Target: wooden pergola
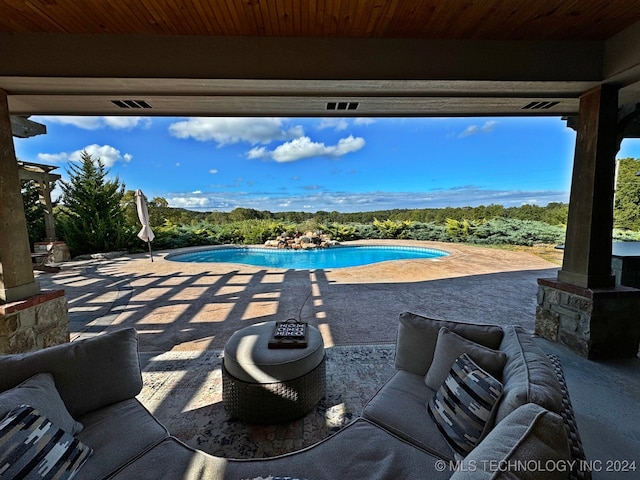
[{"x": 345, "y": 58}]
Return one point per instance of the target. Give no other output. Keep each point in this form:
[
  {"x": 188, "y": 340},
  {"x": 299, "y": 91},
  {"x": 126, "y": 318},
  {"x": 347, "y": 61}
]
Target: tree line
[{"x": 96, "y": 214}]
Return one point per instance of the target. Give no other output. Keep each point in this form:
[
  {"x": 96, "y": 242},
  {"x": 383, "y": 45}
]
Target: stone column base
[
  {"x": 35, "y": 323},
  {"x": 596, "y": 323}
]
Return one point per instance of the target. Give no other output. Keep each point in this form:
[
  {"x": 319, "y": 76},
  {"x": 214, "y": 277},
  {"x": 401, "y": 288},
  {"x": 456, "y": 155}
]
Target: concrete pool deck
[{"x": 190, "y": 307}]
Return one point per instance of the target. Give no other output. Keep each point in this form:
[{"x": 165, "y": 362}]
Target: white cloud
[
  {"x": 94, "y": 123},
  {"x": 197, "y": 192},
  {"x": 363, "y": 121},
  {"x": 226, "y": 131},
  {"x": 303, "y": 147},
  {"x": 314, "y": 200},
  {"x": 53, "y": 157},
  {"x": 188, "y": 202},
  {"x": 337, "y": 124},
  {"x": 108, "y": 154},
  {"x": 488, "y": 127},
  {"x": 127, "y": 122},
  {"x": 213, "y": 171}
]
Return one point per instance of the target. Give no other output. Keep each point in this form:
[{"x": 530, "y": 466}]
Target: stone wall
[
  {"x": 34, "y": 323},
  {"x": 597, "y": 323}
]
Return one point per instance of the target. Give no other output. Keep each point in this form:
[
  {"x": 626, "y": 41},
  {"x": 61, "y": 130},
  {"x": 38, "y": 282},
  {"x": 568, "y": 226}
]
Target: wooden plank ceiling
[{"x": 428, "y": 19}]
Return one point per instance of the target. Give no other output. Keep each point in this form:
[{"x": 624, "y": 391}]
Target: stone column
[
  {"x": 584, "y": 309},
  {"x": 587, "y": 250},
  {"x": 16, "y": 272}
]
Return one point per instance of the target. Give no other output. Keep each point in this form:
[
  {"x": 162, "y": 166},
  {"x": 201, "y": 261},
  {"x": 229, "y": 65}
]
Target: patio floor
[{"x": 193, "y": 307}]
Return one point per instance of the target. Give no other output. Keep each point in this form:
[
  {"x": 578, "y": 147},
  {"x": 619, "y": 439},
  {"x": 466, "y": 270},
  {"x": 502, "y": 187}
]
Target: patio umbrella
[{"x": 145, "y": 234}]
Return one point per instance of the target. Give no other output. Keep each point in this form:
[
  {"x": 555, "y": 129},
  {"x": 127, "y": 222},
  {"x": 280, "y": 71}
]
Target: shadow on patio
[{"x": 184, "y": 318}]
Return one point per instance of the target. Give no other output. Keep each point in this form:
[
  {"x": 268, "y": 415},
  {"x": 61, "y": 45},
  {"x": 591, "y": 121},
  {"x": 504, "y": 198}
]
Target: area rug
[{"x": 184, "y": 391}]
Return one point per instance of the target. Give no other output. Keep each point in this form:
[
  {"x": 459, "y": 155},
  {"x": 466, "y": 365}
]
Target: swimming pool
[{"x": 334, "y": 257}]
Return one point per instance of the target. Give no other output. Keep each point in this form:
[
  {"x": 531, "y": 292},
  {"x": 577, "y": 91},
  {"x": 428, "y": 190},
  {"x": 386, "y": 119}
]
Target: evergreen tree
[
  {"x": 90, "y": 218},
  {"x": 34, "y": 211},
  {"x": 627, "y": 198}
]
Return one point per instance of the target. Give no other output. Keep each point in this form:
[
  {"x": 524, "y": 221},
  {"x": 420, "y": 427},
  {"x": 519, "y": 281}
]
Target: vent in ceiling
[
  {"x": 130, "y": 104},
  {"x": 539, "y": 105},
  {"x": 342, "y": 105}
]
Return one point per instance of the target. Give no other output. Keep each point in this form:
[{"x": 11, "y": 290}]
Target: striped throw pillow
[
  {"x": 34, "y": 448},
  {"x": 463, "y": 406}
]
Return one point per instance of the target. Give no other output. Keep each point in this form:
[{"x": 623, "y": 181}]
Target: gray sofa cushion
[
  {"x": 401, "y": 408},
  {"x": 88, "y": 374},
  {"x": 359, "y": 451},
  {"x": 528, "y": 376},
  {"x": 40, "y": 392},
  {"x": 118, "y": 434},
  {"x": 450, "y": 346},
  {"x": 417, "y": 336},
  {"x": 530, "y": 436},
  {"x": 171, "y": 459}
]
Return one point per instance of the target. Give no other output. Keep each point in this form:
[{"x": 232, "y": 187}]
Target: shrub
[{"x": 505, "y": 231}]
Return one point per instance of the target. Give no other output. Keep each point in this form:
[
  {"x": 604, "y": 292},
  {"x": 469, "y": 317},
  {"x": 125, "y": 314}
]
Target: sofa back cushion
[
  {"x": 529, "y": 436},
  {"x": 40, "y": 393},
  {"x": 450, "y": 346},
  {"x": 528, "y": 376},
  {"x": 88, "y": 374},
  {"x": 417, "y": 337}
]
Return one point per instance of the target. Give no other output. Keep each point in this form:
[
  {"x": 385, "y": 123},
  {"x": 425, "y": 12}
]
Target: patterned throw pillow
[
  {"x": 34, "y": 448},
  {"x": 463, "y": 406}
]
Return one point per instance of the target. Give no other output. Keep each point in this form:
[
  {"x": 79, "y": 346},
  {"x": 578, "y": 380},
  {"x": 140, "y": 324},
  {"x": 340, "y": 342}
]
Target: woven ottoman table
[{"x": 271, "y": 385}]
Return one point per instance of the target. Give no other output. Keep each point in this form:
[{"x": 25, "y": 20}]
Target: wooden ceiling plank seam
[
  {"x": 287, "y": 16},
  {"x": 478, "y": 21},
  {"x": 346, "y": 18},
  {"x": 81, "y": 21},
  {"x": 50, "y": 17},
  {"x": 176, "y": 19},
  {"x": 541, "y": 19},
  {"x": 265, "y": 14},
  {"x": 428, "y": 19},
  {"x": 361, "y": 17},
  {"x": 368, "y": 25},
  {"x": 155, "y": 20},
  {"x": 384, "y": 19},
  {"x": 276, "y": 16},
  {"x": 331, "y": 27},
  {"x": 21, "y": 17},
  {"x": 122, "y": 20},
  {"x": 215, "y": 9},
  {"x": 190, "y": 15},
  {"x": 409, "y": 18},
  {"x": 254, "y": 15},
  {"x": 227, "y": 18},
  {"x": 205, "y": 17},
  {"x": 118, "y": 18},
  {"x": 239, "y": 16},
  {"x": 316, "y": 23},
  {"x": 305, "y": 9}
]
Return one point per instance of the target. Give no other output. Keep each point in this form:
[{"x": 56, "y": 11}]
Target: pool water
[{"x": 334, "y": 257}]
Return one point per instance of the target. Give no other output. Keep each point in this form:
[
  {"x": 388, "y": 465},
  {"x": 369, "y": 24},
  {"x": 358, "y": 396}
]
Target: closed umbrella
[{"x": 145, "y": 234}]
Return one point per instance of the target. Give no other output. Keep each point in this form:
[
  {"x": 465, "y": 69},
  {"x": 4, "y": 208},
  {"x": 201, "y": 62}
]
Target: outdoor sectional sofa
[{"x": 87, "y": 388}]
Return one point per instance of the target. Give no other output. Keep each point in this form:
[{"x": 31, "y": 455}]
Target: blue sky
[{"x": 311, "y": 164}]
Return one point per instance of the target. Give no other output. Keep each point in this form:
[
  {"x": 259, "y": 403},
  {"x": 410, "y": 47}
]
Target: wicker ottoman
[{"x": 265, "y": 385}]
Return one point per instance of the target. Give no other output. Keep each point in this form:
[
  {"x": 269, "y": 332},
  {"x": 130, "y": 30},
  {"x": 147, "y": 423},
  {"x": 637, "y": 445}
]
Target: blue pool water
[{"x": 334, "y": 257}]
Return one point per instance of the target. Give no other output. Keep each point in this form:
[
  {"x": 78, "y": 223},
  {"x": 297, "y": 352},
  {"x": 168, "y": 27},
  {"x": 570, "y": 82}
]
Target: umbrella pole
[{"x": 150, "y": 254}]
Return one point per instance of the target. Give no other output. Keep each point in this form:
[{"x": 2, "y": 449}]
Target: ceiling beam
[{"x": 22, "y": 127}]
